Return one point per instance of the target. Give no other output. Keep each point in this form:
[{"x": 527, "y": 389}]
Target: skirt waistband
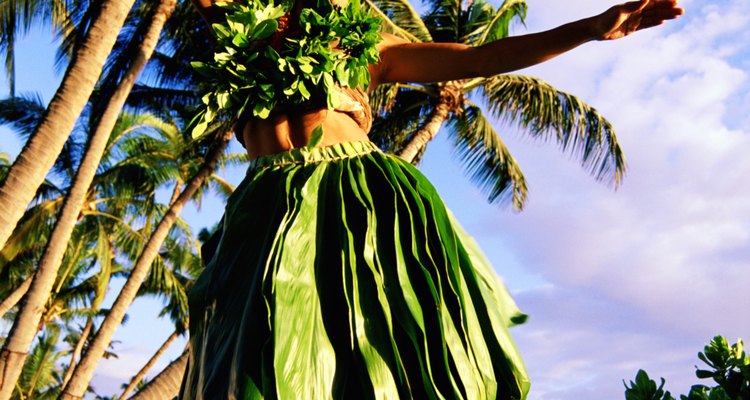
[{"x": 304, "y": 155}]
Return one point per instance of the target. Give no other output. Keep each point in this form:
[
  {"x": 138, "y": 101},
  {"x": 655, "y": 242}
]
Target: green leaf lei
[{"x": 249, "y": 74}]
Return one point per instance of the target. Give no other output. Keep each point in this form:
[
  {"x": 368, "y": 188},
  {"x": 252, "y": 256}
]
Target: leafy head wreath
[{"x": 277, "y": 56}]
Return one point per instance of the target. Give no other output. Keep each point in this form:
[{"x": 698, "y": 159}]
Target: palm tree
[
  {"x": 17, "y": 17},
  {"x": 172, "y": 96},
  {"x": 408, "y": 116},
  {"x": 42, "y": 149},
  {"x": 142, "y": 154},
  {"x": 22, "y": 333},
  {"x": 172, "y": 284},
  {"x": 166, "y": 384},
  {"x": 22, "y": 250},
  {"x": 39, "y": 378},
  {"x": 85, "y": 369},
  {"x": 138, "y": 378}
]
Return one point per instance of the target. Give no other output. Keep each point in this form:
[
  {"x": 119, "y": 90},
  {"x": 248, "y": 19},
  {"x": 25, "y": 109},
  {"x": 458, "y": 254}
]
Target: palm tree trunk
[
  {"x": 137, "y": 378},
  {"x": 175, "y": 192},
  {"x": 166, "y": 385},
  {"x": 428, "y": 131},
  {"x": 16, "y": 295},
  {"x": 85, "y": 369},
  {"x": 450, "y": 99},
  {"x": 20, "y": 337},
  {"x": 77, "y": 351},
  {"x": 40, "y": 152}
]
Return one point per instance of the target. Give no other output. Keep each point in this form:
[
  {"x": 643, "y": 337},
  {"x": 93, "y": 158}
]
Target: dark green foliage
[
  {"x": 729, "y": 368},
  {"x": 550, "y": 115},
  {"x": 39, "y": 378},
  {"x": 254, "y": 73},
  {"x": 645, "y": 389},
  {"x": 486, "y": 158}
]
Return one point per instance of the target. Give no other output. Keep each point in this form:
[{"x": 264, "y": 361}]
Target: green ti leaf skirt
[{"x": 341, "y": 274}]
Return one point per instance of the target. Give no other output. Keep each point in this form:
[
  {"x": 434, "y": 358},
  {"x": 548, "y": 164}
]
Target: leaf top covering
[{"x": 269, "y": 57}]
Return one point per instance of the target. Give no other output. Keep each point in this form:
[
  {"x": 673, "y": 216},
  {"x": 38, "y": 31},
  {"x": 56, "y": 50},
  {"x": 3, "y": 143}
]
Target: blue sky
[{"x": 614, "y": 281}]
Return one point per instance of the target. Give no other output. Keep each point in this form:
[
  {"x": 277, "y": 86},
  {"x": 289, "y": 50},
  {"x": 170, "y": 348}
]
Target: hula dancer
[{"x": 340, "y": 273}]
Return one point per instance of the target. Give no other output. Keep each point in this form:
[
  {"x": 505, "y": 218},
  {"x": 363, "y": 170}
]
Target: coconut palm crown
[{"x": 409, "y": 115}]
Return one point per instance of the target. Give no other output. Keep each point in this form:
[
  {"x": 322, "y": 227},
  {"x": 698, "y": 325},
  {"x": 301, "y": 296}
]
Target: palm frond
[
  {"x": 25, "y": 245},
  {"x": 73, "y": 30},
  {"x": 162, "y": 281},
  {"x": 180, "y": 227},
  {"x": 401, "y": 19},
  {"x": 392, "y": 130},
  {"x": 23, "y": 113},
  {"x": 233, "y": 160},
  {"x": 221, "y": 187},
  {"x": 486, "y": 159},
  {"x": 161, "y": 101},
  {"x": 383, "y": 97},
  {"x": 38, "y": 369},
  {"x": 475, "y": 20},
  {"x": 104, "y": 254},
  {"x": 444, "y": 20},
  {"x": 129, "y": 180},
  {"x": 499, "y": 26},
  {"x": 9, "y": 19},
  {"x": 5, "y": 160},
  {"x": 549, "y": 114},
  {"x": 17, "y": 17},
  {"x": 185, "y": 38},
  {"x": 126, "y": 47}
]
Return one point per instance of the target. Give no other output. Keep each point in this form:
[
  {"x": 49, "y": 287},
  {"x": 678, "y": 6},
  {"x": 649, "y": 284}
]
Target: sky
[{"x": 613, "y": 280}]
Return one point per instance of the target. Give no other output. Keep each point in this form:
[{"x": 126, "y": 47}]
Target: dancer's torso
[{"x": 284, "y": 131}]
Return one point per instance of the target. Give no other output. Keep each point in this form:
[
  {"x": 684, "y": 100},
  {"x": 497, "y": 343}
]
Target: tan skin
[{"x": 403, "y": 61}]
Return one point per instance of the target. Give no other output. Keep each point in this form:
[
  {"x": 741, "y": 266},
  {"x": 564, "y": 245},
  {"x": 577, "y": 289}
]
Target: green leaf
[
  {"x": 265, "y": 29},
  {"x": 199, "y": 130},
  {"x": 221, "y": 31},
  {"x": 353, "y": 7},
  {"x": 240, "y": 40},
  {"x": 306, "y": 68},
  {"x": 354, "y": 77},
  {"x": 342, "y": 74},
  {"x": 261, "y": 110},
  {"x": 267, "y": 89},
  {"x": 223, "y": 100},
  {"x": 203, "y": 69},
  {"x": 333, "y": 100},
  {"x": 316, "y": 137},
  {"x": 703, "y": 374},
  {"x": 222, "y": 57},
  {"x": 303, "y": 90}
]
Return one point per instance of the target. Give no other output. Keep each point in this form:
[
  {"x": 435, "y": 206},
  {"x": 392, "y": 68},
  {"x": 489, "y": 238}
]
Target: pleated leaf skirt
[{"x": 341, "y": 274}]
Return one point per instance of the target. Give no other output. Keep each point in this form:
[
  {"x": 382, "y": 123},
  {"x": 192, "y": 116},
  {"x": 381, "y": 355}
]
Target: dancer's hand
[{"x": 624, "y": 19}]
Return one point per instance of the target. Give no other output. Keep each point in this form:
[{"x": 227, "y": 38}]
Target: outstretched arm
[{"x": 402, "y": 61}]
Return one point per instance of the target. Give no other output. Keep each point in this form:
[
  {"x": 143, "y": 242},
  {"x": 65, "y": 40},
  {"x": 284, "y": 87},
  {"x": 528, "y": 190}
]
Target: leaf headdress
[{"x": 281, "y": 56}]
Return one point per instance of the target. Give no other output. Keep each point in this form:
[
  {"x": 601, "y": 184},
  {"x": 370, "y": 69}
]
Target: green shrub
[{"x": 729, "y": 368}]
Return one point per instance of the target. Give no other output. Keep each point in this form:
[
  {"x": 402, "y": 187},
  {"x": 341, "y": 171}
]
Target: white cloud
[{"x": 643, "y": 277}]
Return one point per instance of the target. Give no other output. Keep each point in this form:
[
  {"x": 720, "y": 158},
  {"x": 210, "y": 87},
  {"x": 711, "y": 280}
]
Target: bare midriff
[{"x": 283, "y": 132}]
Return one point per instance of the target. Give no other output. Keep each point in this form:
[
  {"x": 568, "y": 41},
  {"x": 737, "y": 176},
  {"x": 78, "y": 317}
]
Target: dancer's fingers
[
  {"x": 635, "y": 6},
  {"x": 663, "y": 14},
  {"x": 646, "y": 23}
]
